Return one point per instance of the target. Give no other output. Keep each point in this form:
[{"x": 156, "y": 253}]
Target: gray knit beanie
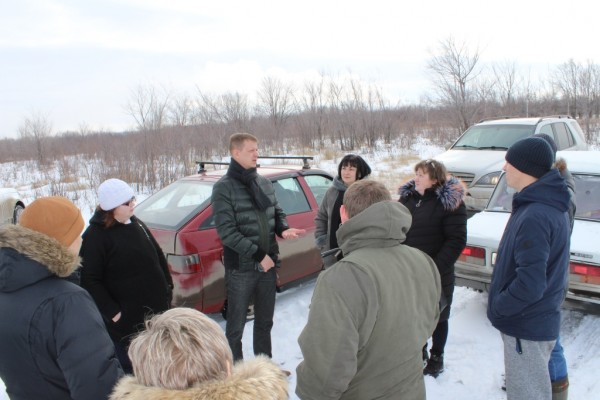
[{"x": 532, "y": 156}]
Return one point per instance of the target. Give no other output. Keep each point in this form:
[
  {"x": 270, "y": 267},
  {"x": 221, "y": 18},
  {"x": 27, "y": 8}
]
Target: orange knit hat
[{"x": 54, "y": 216}]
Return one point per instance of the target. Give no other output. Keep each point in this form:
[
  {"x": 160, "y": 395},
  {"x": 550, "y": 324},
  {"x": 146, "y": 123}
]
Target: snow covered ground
[{"x": 474, "y": 359}]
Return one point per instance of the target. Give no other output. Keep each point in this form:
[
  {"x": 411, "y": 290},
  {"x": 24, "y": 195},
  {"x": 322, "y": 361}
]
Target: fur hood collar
[
  {"x": 450, "y": 194},
  {"x": 258, "y": 378},
  {"x": 20, "y": 246}
]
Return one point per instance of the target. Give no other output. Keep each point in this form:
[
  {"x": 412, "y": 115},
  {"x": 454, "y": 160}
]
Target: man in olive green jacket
[{"x": 372, "y": 311}]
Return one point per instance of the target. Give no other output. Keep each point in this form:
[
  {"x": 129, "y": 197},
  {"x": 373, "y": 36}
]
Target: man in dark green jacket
[
  {"x": 372, "y": 311},
  {"x": 248, "y": 217}
]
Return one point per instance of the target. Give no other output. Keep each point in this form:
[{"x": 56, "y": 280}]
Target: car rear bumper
[{"x": 585, "y": 301}]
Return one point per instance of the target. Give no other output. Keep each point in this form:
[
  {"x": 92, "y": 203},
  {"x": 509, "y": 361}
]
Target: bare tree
[
  {"x": 148, "y": 107},
  {"x": 276, "y": 101},
  {"x": 180, "y": 111},
  {"x": 566, "y": 80},
  {"x": 37, "y": 128},
  {"x": 507, "y": 83},
  {"x": 455, "y": 71},
  {"x": 314, "y": 104}
]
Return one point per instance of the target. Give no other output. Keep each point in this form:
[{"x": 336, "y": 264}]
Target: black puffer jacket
[
  {"x": 247, "y": 233},
  {"x": 439, "y": 225},
  {"x": 53, "y": 344},
  {"x": 125, "y": 270}
]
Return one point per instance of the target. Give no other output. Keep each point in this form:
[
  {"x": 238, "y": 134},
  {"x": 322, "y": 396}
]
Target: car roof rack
[
  {"x": 500, "y": 117},
  {"x": 556, "y": 116},
  {"x": 305, "y": 164},
  {"x": 201, "y": 165}
]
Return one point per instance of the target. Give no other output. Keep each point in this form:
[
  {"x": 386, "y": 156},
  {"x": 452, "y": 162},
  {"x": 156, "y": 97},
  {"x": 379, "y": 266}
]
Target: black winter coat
[
  {"x": 125, "y": 270},
  {"x": 247, "y": 233},
  {"x": 439, "y": 225},
  {"x": 53, "y": 344}
]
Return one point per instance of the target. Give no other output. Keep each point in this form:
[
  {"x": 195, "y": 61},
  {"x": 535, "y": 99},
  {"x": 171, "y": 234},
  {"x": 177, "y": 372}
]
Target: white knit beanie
[{"x": 112, "y": 193}]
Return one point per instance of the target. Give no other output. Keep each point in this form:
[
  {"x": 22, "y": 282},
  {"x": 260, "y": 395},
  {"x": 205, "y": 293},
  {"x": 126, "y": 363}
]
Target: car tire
[{"x": 17, "y": 213}]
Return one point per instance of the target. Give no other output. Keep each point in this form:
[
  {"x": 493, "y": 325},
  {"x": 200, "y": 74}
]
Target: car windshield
[
  {"x": 174, "y": 205},
  {"x": 587, "y": 197},
  {"x": 492, "y": 137}
]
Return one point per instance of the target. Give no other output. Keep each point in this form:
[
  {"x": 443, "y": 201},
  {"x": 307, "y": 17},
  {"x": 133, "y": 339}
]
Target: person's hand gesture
[{"x": 292, "y": 233}]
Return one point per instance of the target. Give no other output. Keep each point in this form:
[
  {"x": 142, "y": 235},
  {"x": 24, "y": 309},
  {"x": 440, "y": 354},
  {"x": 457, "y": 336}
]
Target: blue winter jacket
[{"x": 530, "y": 277}]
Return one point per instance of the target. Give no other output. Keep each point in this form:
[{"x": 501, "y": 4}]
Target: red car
[{"x": 181, "y": 219}]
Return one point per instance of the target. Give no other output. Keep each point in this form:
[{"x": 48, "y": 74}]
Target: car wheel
[{"x": 17, "y": 213}]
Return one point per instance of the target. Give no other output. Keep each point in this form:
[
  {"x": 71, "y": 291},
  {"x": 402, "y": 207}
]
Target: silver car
[
  {"x": 477, "y": 156},
  {"x": 484, "y": 231},
  {"x": 11, "y": 206}
]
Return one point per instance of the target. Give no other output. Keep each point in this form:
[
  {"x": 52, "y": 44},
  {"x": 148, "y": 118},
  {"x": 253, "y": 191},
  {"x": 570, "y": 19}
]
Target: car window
[
  {"x": 501, "y": 199},
  {"x": 489, "y": 136},
  {"x": 174, "y": 205},
  {"x": 562, "y": 137},
  {"x": 290, "y": 196},
  {"x": 587, "y": 196},
  {"x": 318, "y": 185}
]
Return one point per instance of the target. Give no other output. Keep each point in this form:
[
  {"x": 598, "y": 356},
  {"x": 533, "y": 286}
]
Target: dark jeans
[
  {"x": 439, "y": 338},
  {"x": 241, "y": 287}
]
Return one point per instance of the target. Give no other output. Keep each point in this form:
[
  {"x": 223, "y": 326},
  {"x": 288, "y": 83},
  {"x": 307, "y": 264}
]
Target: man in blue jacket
[{"x": 531, "y": 272}]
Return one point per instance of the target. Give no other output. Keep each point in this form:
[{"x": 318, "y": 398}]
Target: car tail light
[
  {"x": 585, "y": 273},
  {"x": 473, "y": 255},
  {"x": 189, "y": 264}
]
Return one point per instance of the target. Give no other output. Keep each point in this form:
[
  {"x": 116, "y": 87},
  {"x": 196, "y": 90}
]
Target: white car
[
  {"x": 484, "y": 231},
  {"x": 11, "y": 206},
  {"x": 477, "y": 156}
]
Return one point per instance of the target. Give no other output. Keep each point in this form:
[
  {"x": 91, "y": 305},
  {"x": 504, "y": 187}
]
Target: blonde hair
[
  {"x": 236, "y": 141},
  {"x": 179, "y": 348}
]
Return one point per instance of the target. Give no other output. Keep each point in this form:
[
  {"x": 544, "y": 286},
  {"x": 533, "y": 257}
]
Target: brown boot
[{"x": 560, "y": 389}]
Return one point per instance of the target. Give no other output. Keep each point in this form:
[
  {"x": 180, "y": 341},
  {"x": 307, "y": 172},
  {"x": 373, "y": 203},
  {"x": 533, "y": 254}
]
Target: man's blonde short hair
[
  {"x": 179, "y": 348},
  {"x": 236, "y": 141},
  {"x": 363, "y": 194}
]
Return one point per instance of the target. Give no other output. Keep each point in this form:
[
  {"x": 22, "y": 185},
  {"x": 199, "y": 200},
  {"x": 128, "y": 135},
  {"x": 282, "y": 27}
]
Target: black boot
[
  {"x": 425, "y": 356},
  {"x": 435, "y": 365}
]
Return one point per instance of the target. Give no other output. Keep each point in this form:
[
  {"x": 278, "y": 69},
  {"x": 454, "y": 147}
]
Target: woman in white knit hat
[{"x": 124, "y": 268}]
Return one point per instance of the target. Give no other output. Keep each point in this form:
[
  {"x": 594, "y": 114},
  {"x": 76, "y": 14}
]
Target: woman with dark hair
[
  {"x": 351, "y": 168},
  {"x": 439, "y": 228},
  {"x": 123, "y": 267}
]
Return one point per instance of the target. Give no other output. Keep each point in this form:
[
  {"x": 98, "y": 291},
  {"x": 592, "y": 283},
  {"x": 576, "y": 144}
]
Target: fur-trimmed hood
[
  {"x": 450, "y": 194},
  {"x": 258, "y": 378},
  {"x": 27, "y": 256}
]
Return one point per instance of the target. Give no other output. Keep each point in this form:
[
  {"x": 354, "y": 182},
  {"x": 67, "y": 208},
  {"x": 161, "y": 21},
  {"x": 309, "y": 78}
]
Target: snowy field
[{"x": 474, "y": 359}]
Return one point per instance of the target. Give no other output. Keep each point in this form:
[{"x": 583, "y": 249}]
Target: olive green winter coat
[{"x": 370, "y": 313}]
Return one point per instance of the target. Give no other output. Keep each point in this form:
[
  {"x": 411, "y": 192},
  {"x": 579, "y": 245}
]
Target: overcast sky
[{"x": 76, "y": 62}]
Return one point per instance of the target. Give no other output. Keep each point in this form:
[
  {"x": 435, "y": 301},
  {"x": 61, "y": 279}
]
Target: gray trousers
[{"x": 526, "y": 368}]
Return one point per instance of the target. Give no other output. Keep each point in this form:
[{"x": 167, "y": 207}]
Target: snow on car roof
[{"x": 581, "y": 161}]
